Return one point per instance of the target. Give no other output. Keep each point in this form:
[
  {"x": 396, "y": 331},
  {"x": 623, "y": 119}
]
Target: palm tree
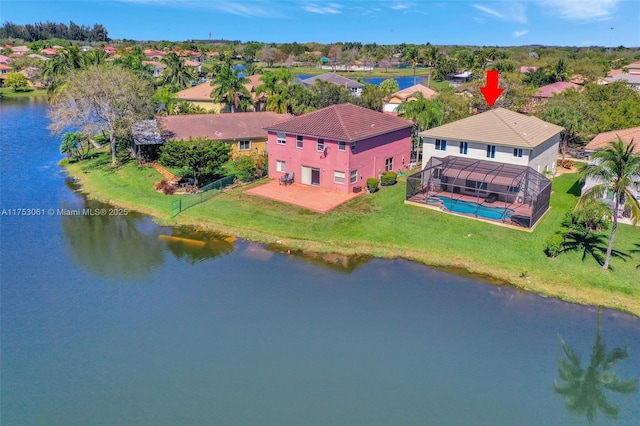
[
  {"x": 583, "y": 389},
  {"x": 412, "y": 55},
  {"x": 177, "y": 73},
  {"x": 228, "y": 88},
  {"x": 57, "y": 69},
  {"x": 95, "y": 57},
  {"x": 425, "y": 114},
  {"x": 617, "y": 170}
]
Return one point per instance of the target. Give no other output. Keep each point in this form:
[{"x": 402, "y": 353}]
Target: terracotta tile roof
[
  {"x": 552, "y": 89},
  {"x": 202, "y": 92},
  {"x": 614, "y": 72},
  {"x": 525, "y": 70},
  {"x": 627, "y": 135},
  {"x": 332, "y": 78},
  {"x": 225, "y": 127},
  {"x": 407, "y": 93},
  {"x": 497, "y": 127},
  {"x": 155, "y": 64},
  {"x": 5, "y": 67},
  {"x": 191, "y": 63},
  {"x": 4, "y": 59},
  {"x": 344, "y": 122}
]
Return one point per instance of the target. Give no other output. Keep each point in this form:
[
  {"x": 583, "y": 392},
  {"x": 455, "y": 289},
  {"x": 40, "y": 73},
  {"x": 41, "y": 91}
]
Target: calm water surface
[{"x": 115, "y": 320}]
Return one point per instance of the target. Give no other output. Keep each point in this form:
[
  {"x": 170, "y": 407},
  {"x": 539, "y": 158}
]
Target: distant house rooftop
[
  {"x": 407, "y": 93},
  {"x": 602, "y": 140},
  {"x": 525, "y": 70},
  {"x": 223, "y": 127},
  {"x": 202, "y": 92},
  {"x": 550, "y": 90}
]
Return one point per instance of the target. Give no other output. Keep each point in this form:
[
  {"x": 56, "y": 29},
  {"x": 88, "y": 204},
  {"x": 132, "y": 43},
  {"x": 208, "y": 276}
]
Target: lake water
[
  {"x": 403, "y": 82},
  {"x": 116, "y": 320}
]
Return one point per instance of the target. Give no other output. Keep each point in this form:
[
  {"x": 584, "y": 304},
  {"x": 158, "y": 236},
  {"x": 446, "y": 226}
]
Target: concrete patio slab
[{"x": 312, "y": 198}]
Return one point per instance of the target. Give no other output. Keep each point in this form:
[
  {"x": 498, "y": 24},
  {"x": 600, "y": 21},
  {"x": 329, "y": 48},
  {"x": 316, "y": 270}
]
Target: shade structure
[{"x": 508, "y": 193}]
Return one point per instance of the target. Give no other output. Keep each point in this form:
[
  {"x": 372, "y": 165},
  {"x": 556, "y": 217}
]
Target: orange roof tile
[
  {"x": 224, "y": 127},
  {"x": 344, "y": 122},
  {"x": 602, "y": 140}
]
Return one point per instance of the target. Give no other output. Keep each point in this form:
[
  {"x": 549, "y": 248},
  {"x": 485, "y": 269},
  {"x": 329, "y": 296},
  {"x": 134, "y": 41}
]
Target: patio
[{"x": 309, "y": 197}]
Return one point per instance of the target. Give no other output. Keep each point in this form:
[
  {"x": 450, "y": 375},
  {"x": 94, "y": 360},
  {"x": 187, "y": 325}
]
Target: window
[
  {"x": 464, "y": 146},
  {"x": 320, "y": 145},
  {"x": 517, "y": 152},
  {"x": 491, "y": 151},
  {"x": 441, "y": 145},
  {"x": 474, "y": 184},
  {"x": 354, "y": 176},
  {"x": 437, "y": 173},
  {"x": 281, "y": 166},
  {"x": 342, "y": 146},
  {"x": 388, "y": 164},
  {"x": 281, "y": 139},
  {"x": 353, "y": 147},
  {"x": 299, "y": 141},
  {"x": 338, "y": 177},
  {"x": 244, "y": 145}
]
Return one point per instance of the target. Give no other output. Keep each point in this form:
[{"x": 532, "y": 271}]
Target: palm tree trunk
[{"x": 612, "y": 237}]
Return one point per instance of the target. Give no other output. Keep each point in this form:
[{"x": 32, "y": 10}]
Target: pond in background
[{"x": 116, "y": 320}]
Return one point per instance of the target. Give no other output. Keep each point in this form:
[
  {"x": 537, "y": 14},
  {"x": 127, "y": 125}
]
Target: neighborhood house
[
  {"x": 243, "y": 130},
  {"x": 354, "y": 87},
  {"x": 406, "y": 95},
  {"x": 338, "y": 147},
  {"x": 489, "y": 166},
  {"x": 602, "y": 141}
]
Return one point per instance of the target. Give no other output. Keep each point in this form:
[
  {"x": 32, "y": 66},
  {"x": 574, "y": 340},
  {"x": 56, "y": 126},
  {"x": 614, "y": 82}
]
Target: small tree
[
  {"x": 17, "y": 81},
  {"x": 203, "y": 158},
  {"x": 101, "y": 99}
]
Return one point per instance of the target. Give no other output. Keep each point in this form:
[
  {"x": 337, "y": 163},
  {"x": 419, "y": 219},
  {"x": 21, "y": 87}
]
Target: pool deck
[
  {"x": 312, "y": 198},
  {"x": 420, "y": 200}
]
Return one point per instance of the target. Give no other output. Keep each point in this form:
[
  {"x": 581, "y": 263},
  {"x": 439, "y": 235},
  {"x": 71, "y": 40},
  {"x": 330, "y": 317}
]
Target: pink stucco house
[{"x": 338, "y": 147}]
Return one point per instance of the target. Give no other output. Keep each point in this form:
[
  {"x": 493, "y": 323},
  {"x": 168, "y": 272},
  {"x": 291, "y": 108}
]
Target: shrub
[
  {"x": 567, "y": 164},
  {"x": 554, "y": 245},
  {"x": 388, "y": 178},
  {"x": 165, "y": 187},
  {"x": 372, "y": 184}
]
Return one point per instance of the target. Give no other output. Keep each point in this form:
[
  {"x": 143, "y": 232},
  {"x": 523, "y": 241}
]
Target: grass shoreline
[{"x": 370, "y": 225}]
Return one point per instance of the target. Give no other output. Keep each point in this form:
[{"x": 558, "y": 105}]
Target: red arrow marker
[{"x": 491, "y": 91}]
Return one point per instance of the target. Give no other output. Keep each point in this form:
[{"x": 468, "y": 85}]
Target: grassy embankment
[
  {"x": 8, "y": 92},
  {"x": 382, "y": 225}
]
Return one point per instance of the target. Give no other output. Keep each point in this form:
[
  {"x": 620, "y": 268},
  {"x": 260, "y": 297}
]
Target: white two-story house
[{"x": 498, "y": 135}]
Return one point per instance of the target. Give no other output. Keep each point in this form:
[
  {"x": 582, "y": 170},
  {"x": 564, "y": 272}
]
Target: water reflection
[
  {"x": 584, "y": 389},
  {"x": 334, "y": 261},
  {"x": 195, "y": 246},
  {"x": 111, "y": 246}
]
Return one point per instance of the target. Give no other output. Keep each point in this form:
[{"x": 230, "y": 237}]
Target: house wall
[
  {"x": 368, "y": 159},
  {"x": 257, "y": 147},
  {"x": 545, "y": 156},
  {"x": 478, "y": 151},
  {"x": 542, "y": 156}
]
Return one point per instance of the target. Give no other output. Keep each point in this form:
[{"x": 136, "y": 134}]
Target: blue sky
[{"x": 472, "y": 22}]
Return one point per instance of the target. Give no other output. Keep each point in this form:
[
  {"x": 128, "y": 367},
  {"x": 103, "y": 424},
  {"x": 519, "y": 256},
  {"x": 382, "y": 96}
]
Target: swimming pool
[{"x": 467, "y": 207}]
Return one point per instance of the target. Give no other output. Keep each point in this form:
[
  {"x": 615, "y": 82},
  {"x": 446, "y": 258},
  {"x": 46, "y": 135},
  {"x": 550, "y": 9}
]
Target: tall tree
[
  {"x": 101, "y": 99},
  {"x": 412, "y": 56},
  {"x": 177, "y": 73},
  {"x": 616, "y": 169},
  {"x": 228, "y": 88}
]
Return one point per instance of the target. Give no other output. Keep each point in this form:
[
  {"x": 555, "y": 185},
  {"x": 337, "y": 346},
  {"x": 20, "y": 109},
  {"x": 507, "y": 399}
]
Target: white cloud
[
  {"x": 328, "y": 9},
  {"x": 512, "y": 12},
  {"x": 401, "y": 6},
  {"x": 520, "y": 33},
  {"x": 582, "y": 10}
]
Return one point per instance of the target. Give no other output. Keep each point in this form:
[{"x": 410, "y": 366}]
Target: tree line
[{"x": 47, "y": 30}]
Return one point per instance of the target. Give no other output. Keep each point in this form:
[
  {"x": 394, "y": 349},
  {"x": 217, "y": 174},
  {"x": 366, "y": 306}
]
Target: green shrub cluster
[
  {"x": 388, "y": 178},
  {"x": 372, "y": 184},
  {"x": 554, "y": 245}
]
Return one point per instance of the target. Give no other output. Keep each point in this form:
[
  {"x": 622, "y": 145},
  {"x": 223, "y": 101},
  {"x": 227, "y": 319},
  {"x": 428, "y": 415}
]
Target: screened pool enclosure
[{"x": 505, "y": 193}]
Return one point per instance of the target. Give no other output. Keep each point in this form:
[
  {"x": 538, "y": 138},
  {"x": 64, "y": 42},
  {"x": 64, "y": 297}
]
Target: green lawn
[
  {"x": 382, "y": 225},
  {"x": 8, "y": 92}
]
